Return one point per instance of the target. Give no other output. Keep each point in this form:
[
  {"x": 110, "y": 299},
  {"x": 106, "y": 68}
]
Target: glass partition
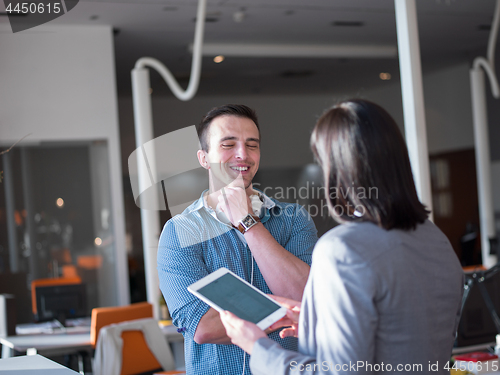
[{"x": 56, "y": 221}]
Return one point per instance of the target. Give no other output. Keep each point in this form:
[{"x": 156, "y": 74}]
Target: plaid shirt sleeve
[{"x": 304, "y": 235}]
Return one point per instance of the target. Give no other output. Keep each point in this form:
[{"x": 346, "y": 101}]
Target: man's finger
[{"x": 288, "y": 332}]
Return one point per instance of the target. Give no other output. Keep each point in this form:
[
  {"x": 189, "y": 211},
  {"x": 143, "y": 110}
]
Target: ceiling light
[
  {"x": 98, "y": 241},
  {"x": 218, "y": 59},
  {"x": 60, "y": 202},
  {"x": 385, "y": 76},
  {"x": 94, "y": 17},
  {"x": 299, "y": 50}
]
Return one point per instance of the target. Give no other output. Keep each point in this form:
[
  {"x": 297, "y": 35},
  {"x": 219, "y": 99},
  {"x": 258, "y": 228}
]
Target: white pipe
[
  {"x": 194, "y": 79},
  {"x": 493, "y": 36},
  {"x": 483, "y": 169},
  {"x": 413, "y": 97},
  {"x": 489, "y": 69}
]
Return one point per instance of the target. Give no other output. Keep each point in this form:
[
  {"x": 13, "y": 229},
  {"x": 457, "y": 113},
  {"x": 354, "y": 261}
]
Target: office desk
[
  {"x": 58, "y": 343},
  {"x": 33, "y": 364}
]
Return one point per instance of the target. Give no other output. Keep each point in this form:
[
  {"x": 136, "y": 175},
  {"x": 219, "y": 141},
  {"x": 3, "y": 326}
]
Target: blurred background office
[{"x": 66, "y": 203}]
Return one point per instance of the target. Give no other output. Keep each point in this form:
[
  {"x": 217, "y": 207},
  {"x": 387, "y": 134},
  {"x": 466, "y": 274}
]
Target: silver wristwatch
[{"x": 247, "y": 222}]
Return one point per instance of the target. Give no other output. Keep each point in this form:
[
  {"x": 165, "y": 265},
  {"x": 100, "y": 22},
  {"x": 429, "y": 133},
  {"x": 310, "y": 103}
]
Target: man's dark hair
[
  {"x": 238, "y": 110},
  {"x": 361, "y": 149}
]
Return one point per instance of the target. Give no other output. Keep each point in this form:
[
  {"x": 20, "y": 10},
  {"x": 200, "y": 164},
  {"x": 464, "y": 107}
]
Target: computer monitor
[
  {"x": 61, "y": 302},
  {"x": 476, "y": 324}
]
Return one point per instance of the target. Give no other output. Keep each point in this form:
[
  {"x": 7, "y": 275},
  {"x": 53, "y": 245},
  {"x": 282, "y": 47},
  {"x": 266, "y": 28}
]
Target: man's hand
[
  {"x": 234, "y": 201},
  {"x": 241, "y": 332},
  {"x": 291, "y": 320}
]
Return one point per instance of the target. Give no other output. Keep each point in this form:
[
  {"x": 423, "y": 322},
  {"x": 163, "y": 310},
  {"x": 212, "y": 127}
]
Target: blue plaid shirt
[{"x": 194, "y": 244}]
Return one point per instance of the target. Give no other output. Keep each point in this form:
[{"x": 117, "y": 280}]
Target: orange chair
[
  {"x": 136, "y": 356},
  {"x": 50, "y": 282}
]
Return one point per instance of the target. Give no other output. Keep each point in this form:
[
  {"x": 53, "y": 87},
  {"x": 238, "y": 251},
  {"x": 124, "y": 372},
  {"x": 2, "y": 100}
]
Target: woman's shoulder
[
  {"x": 364, "y": 242},
  {"x": 348, "y": 243}
]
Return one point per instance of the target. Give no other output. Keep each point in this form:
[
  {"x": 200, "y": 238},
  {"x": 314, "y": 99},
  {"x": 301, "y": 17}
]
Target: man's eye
[
  {"x": 227, "y": 146},
  {"x": 252, "y": 146}
]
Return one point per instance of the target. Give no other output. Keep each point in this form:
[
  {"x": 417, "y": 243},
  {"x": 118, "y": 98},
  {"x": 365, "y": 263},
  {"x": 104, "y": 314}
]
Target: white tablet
[{"x": 223, "y": 290}]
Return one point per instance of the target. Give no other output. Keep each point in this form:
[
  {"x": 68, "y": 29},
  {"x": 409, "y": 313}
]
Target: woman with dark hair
[{"x": 384, "y": 290}]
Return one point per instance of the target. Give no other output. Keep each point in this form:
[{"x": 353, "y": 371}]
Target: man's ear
[{"x": 203, "y": 159}]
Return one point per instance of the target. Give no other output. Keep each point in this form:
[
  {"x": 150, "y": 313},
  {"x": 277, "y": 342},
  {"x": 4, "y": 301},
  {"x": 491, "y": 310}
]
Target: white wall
[
  {"x": 58, "y": 83},
  {"x": 448, "y": 109}
]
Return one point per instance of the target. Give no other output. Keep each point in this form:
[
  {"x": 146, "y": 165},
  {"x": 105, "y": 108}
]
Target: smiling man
[{"x": 232, "y": 225}]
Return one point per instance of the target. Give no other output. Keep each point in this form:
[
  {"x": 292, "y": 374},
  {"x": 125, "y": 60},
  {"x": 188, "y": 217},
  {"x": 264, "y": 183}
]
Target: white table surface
[
  {"x": 47, "y": 344},
  {"x": 32, "y": 365}
]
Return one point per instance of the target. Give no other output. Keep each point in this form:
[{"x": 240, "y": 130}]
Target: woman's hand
[
  {"x": 291, "y": 320},
  {"x": 241, "y": 332}
]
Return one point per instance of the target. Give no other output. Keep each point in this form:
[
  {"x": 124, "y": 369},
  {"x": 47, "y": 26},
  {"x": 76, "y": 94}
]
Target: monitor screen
[
  {"x": 61, "y": 302},
  {"x": 476, "y": 324}
]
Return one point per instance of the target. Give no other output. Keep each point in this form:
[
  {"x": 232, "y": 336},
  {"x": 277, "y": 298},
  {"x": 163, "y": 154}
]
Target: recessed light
[
  {"x": 348, "y": 23},
  {"x": 484, "y": 27},
  {"x": 296, "y": 73},
  {"x": 94, "y": 17},
  {"x": 60, "y": 202},
  {"x": 218, "y": 59},
  {"x": 98, "y": 241},
  {"x": 208, "y": 19},
  {"x": 385, "y": 76}
]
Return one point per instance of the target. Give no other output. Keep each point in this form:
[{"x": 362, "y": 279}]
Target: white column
[
  {"x": 483, "y": 168},
  {"x": 150, "y": 219},
  {"x": 413, "y": 97}
]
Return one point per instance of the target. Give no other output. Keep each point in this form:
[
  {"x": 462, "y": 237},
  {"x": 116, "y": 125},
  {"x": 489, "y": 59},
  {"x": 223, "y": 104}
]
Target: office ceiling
[{"x": 450, "y": 31}]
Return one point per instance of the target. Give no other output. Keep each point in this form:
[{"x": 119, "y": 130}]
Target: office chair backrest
[
  {"x": 50, "y": 282},
  {"x": 103, "y": 316}
]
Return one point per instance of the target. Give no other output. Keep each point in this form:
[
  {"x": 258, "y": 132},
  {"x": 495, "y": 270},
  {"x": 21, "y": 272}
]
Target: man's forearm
[
  {"x": 210, "y": 329},
  {"x": 285, "y": 274}
]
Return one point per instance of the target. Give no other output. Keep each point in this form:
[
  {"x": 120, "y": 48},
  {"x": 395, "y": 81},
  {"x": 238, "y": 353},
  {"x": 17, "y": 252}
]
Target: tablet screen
[{"x": 233, "y": 295}]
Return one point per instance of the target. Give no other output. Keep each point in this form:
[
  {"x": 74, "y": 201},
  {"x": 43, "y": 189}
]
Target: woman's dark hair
[
  {"x": 238, "y": 110},
  {"x": 366, "y": 167}
]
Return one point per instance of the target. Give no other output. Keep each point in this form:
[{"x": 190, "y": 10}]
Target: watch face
[{"x": 248, "y": 221}]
